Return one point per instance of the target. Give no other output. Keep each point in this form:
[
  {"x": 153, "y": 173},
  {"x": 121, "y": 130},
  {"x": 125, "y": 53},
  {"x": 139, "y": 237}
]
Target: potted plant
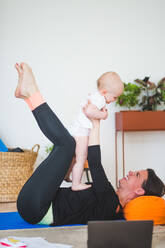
[
  {"x": 153, "y": 95},
  {"x": 147, "y": 97},
  {"x": 130, "y": 96}
]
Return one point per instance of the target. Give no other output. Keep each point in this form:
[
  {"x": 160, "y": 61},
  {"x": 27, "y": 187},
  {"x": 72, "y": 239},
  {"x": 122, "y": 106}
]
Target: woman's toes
[
  {"x": 22, "y": 65},
  {"x": 25, "y": 66},
  {"x": 19, "y": 70}
]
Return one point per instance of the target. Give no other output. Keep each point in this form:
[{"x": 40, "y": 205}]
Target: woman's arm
[
  {"x": 100, "y": 181},
  {"x": 101, "y": 185},
  {"x": 94, "y": 137}
]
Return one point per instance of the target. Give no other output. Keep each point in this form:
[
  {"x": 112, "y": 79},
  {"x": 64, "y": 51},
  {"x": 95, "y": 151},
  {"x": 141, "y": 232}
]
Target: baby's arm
[{"x": 92, "y": 112}]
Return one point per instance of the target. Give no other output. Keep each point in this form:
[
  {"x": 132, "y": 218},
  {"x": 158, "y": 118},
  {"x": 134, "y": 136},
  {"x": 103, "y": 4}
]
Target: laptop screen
[{"x": 120, "y": 234}]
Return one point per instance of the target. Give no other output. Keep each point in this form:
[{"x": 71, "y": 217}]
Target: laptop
[{"x": 120, "y": 234}]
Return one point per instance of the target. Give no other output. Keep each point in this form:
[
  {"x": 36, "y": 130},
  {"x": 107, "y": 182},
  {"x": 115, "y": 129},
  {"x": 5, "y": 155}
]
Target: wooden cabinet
[{"x": 127, "y": 121}]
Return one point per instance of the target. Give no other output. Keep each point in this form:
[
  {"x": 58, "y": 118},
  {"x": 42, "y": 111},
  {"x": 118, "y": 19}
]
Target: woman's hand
[{"x": 92, "y": 112}]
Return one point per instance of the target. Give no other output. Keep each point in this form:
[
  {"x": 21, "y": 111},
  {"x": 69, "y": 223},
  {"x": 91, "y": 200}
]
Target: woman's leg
[{"x": 39, "y": 191}]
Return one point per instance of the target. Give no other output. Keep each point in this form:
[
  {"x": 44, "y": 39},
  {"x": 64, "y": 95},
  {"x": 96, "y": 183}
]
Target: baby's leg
[{"x": 81, "y": 156}]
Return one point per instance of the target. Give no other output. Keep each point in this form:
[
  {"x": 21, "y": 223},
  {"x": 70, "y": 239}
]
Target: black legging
[{"x": 39, "y": 191}]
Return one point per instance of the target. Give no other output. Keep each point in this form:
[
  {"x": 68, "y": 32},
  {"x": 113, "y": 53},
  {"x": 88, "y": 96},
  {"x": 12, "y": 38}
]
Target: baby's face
[
  {"x": 110, "y": 97},
  {"x": 112, "y": 94}
]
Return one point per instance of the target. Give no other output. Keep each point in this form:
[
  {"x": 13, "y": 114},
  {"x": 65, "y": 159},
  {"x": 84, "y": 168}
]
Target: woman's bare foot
[
  {"x": 80, "y": 186},
  {"x": 26, "y": 81}
]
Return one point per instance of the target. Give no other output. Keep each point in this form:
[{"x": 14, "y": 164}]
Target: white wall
[{"x": 69, "y": 44}]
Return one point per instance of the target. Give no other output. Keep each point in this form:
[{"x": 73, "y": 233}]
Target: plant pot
[{"x": 140, "y": 121}]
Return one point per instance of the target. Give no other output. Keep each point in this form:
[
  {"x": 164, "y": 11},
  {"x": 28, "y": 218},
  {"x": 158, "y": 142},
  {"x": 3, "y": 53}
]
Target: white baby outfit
[{"x": 82, "y": 125}]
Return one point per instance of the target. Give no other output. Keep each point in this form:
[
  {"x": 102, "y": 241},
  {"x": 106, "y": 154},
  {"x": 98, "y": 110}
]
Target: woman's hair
[{"x": 153, "y": 185}]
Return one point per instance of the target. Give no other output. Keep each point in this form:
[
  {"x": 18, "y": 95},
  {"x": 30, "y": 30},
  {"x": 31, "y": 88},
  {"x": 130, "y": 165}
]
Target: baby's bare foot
[
  {"x": 80, "y": 186},
  {"x": 26, "y": 81}
]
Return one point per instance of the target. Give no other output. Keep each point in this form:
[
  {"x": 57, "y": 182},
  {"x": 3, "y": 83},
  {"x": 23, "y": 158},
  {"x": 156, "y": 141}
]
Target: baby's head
[{"x": 110, "y": 86}]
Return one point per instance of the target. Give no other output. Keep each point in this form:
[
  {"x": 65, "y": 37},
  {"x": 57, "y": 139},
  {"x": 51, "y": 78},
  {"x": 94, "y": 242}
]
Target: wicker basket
[{"x": 15, "y": 169}]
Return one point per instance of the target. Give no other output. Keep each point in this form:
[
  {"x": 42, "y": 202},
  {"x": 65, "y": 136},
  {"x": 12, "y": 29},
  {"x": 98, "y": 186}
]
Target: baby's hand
[{"x": 92, "y": 112}]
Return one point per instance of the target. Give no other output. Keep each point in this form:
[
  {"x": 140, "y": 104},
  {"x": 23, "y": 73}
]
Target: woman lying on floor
[{"x": 41, "y": 199}]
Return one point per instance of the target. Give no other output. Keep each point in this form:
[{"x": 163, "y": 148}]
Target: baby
[{"x": 109, "y": 87}]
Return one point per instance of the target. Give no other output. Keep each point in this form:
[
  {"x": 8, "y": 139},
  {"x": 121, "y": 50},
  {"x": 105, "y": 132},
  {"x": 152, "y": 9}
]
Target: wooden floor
[{"x": 8, "y": 207}]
